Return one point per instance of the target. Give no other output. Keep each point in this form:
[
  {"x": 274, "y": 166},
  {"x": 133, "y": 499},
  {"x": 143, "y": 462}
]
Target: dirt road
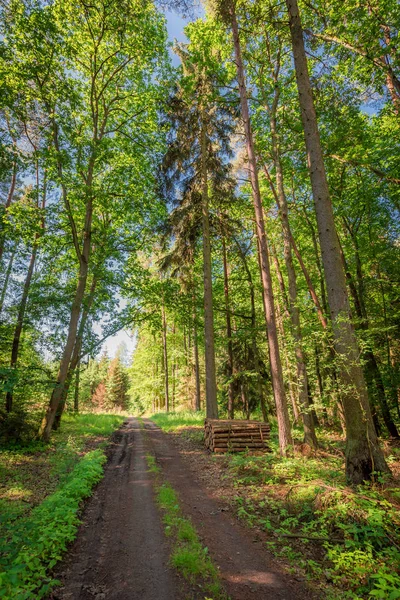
[{"x": 121, "y": 552}]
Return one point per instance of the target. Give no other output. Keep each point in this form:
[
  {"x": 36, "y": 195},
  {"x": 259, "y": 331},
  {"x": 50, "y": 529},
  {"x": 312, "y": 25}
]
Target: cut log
[{"x": 236, "y": 436}]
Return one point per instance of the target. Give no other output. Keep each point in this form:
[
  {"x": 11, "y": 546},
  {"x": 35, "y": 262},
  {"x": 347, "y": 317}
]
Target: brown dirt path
[
  {"x": 120, "y": 552},
  {"x": 247, "y": 570}
]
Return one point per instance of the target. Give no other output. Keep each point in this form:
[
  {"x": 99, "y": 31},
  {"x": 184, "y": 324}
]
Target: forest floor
[
  {"x": 169, "y": 521},
  {"x": 342, "y": 542}
]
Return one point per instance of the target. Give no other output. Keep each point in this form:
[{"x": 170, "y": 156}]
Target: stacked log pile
[{"x": 236, "y": 436}]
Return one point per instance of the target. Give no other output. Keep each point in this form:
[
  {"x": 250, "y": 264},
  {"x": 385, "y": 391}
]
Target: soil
[{"x": 121, "y": 552}]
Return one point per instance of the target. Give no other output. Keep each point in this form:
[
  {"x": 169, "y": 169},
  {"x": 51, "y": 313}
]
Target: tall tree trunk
[
  {"x": 173, "y": 369},
  {"x": 7, "y": 276},
  {"x": 285, "y": 436},
  {"x": 76, "y": 354},
  {"x": 165, "y": 354},
  {"x": 197, "y": 397},
  {"x": 301, "y": 371},
  {"x": 83, "y": 253},
  {"x": 322, "y": 311},
  {"x": 317, "y": 262},
  {"x": 279, "y": 319},
  {"x": 320, "y": 382},
  {"x": 254, "y": 334},
  {"x": 231, "y": 408},
  {"x": 48, "y": 419},
  {"x": 173, "y": 375},
  {"x": 76, "y": 391},
  {"x": 371, "y": 369},
  {"x": 25, "y": 292},
  {"x": 211, "y": 380},
  {"x": 363, "y": 453},
  {"x": 20, "y": 321},
  {"x": 245, "y": 399}
]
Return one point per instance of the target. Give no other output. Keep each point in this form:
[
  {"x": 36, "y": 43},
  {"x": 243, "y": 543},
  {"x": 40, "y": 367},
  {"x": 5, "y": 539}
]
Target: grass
[
  {"x": 189, "y": 425},
  {"x": 345, "y": 539},
  {"x": 41, "y": 489},
  {"x": 176, "y": 420},
  {"x": 189, "y": 556},
  {"x": 29, "y": 472}
]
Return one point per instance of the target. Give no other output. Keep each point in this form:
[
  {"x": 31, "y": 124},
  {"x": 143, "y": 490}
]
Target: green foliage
[
  {"x": 358, "y": 531},
  {"x": 116, "y": 385},
  {"x": 188, "y": 554},
  {"x": 17, "y": 427},
  {"x": 37, "y": 542},
  {"x": 42, "y": 487}
]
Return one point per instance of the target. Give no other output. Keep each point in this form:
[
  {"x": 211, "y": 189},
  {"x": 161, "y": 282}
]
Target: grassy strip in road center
[{"x": 189, "y": 557}]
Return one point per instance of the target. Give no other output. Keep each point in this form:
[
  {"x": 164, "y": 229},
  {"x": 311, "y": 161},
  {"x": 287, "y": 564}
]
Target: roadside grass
[
  {"x": 176, "y": 420},
  {"x": 189, "y": 425},
  {"x": 346, "y": 539},
  {"x": 189, "y": 556},
  {"x": 41, "y": 489}
]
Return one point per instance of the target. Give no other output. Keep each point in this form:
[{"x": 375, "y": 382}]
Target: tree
[
  {"x": 118, "y": 62},
  {"x": 116, "y": 385},
  {"x": 228, "y": 12},
  {"x": 363, "y": 454},
  {"x": 201, "y": 140}
]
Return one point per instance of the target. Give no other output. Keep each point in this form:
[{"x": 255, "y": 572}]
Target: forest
[{"x": 232, "y": 201}]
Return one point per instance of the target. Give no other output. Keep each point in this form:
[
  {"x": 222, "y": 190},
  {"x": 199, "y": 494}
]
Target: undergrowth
[
  {"x": 41, "y": 488},
  {"x": 32, "y": 547},
  {"x": 189, "y": 556},
  {"x": 348, "y": 538}
]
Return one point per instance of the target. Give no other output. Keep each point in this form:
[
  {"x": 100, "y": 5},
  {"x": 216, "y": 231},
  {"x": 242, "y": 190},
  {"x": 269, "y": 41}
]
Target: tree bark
[
  {"x": 48, "y": 419},
  {"x": 165, "y": 354},
  {"x": 197, "y": 398},
  {"x": 311, "y": 289},
  {"x": 301, "y": 371},
  {"x": 7, "y": 277},
  {"x": 363, "y": 453},
  {"x": 76, "y": 391},
  {"x": 20, "y": 321},
  {"x": 371, "y": 369},
  {"x": 76, "y": 354},
  {"x": 211, "y": 381},
  {"x": 231, "y": 409},
  {"x": 285, "y": 436},
  {"x": 25, "y": 292},
  {"x": 83, "y": 253},
  {"x": 254, "y": 334},
  {"x": 279, "y": 318}
]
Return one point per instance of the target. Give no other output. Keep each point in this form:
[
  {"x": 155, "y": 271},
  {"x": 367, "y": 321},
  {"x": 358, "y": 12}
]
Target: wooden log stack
[{"x": 236, "y": 436}]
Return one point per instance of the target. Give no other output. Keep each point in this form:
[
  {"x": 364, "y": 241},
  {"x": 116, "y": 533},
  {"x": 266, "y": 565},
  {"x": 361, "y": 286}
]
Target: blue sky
[{"x": 175, "y": 25}]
